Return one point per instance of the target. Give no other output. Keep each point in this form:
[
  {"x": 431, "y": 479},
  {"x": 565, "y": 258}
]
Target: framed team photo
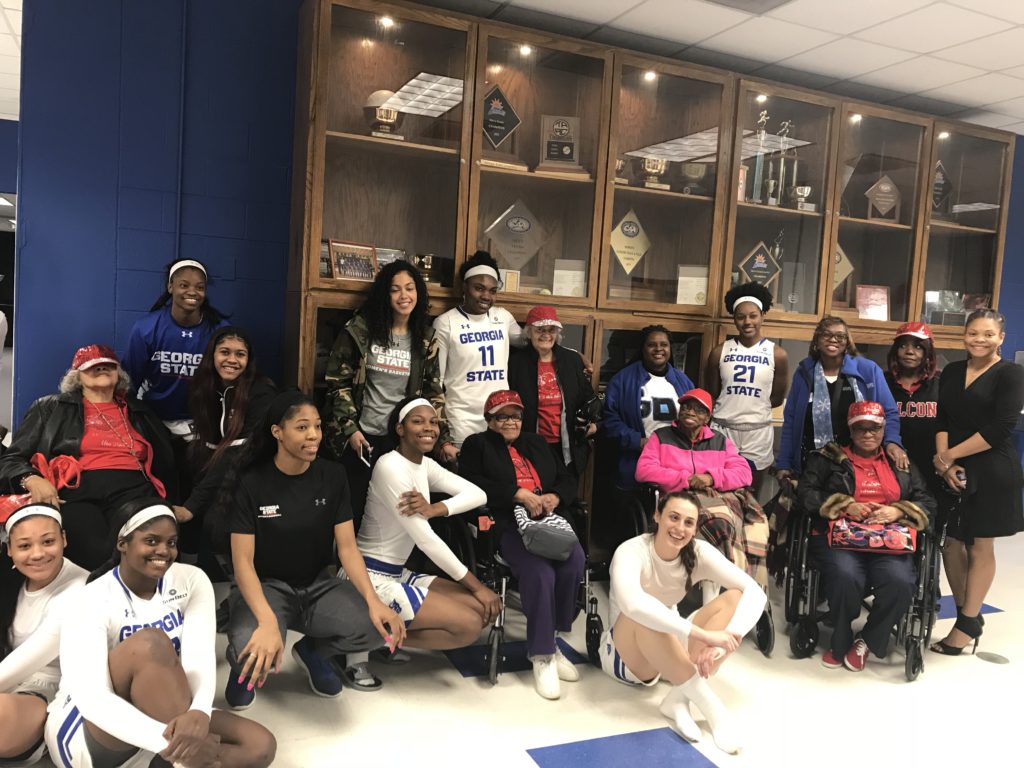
[
  {"x": 326, "y": 271},
  {"x": 353, "y": 261}
]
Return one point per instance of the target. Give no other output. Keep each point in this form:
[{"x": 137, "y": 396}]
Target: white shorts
[
  {"x": 43, "y": 686},
  {"x": 614, "y": 666},
  {"x": 756, "y": 445},
  {"x": 65, "y": 739},
  {"x": 402, "y": 590}
]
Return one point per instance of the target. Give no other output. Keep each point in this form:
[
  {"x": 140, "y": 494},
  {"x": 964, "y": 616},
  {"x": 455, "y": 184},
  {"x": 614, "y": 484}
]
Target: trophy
[
  {"x": 772, "y": 185},
  {"x": 755, "y": 192},
  {"x": 787, "y": 161},
  {"x": 620, "y": 165},
  {"x": 800, "y": 195},
  {"x": 560, "y": 138},
  {"x": 655, "y": 168},
  {"x": 384, "y": 120},
  {"x": 694, "y": 175},
  {"x": 883, "y": 200}
]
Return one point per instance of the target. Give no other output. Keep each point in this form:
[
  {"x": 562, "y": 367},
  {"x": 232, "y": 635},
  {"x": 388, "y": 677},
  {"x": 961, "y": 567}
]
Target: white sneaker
[
  {"x": 545, "y": 677},
  {"x": 566, "y": 669}
]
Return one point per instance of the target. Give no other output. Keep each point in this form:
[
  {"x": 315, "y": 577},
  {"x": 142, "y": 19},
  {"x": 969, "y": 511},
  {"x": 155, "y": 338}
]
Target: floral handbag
[{"x": 883, "y": 538}]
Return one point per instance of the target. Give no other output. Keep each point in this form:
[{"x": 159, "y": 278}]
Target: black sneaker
[
  {"x": 323, "y": 680},
  {"x": 238, "y": 694}
]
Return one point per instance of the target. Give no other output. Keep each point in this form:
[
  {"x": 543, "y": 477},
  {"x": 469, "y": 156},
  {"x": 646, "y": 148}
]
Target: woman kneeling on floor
[
  {"x": 648, "y": 639},
  {"x": 439, "y": 614},
  {"x": 138, "y": 664}
]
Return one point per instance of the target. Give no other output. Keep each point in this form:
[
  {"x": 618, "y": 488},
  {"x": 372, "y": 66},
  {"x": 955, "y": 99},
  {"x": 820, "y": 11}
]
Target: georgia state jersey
[
  {"x": 747, "y": 375},
  {"x": 473, "y": 357}
]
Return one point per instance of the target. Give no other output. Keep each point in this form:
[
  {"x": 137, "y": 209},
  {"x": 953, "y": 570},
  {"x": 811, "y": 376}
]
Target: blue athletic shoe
[
  {"x": 238, "y": 694},
  {"x": 323, "y": 680}
]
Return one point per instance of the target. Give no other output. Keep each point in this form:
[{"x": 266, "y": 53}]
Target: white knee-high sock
[
  {"x": 723, "y": 727},
  {"x": 676, "y": 707}
]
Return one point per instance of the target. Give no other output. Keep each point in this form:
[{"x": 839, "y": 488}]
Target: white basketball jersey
[{"x": 747, "y": 375}]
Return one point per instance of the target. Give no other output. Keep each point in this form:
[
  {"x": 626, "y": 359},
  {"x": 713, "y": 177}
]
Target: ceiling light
[
  {"x": 495, "y": 69},
  {"x": 367, "y": 42},
  {"x": 650, "y": 75},
  {"x": 525, "y": 50},
  {"x": 943, "y": 135},
  {"x": 5, "y": 201},
  {"x": 761, "y": 98},
  {"x": 386, "y": 21},
  {"x": 856, "y": 118}
]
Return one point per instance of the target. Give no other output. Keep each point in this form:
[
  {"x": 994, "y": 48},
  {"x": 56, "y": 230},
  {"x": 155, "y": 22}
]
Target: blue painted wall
[
  {"x": 1012, "y": 286},
  {"x": 8, "y": 156},
  {"x": 150, "y": 131}
]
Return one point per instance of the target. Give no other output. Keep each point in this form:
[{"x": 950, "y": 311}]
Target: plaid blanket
[{"x": 735, "y": 523}]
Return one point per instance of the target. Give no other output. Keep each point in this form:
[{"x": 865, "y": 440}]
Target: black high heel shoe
[
  {"x": 970, "y": 626},
  {"x": 959, "y": 613}
]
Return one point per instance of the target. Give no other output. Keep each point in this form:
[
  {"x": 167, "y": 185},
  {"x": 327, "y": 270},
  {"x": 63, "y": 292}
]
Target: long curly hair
[
  {"x": 827, "y": 322},
  {"x": 930, "y": 365},
  {"x": 756, "y": 290},
  {"x": 688, "y": 554},
  {"x": 377, "y": 311}
]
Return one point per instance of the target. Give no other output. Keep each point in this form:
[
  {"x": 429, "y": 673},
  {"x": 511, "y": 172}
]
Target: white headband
[
  {"x": 187, "y": 263},
  {"x": 481, "y": 269},
  {"x": 752, "y": 299},
  {"x": 142, "y": 517},
  {"x": 413, "y": 404},
  {"x": 30, "y": 510}
]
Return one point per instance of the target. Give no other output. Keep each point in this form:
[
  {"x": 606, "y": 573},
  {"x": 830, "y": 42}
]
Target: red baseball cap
[
  {"x": 501, "y": 398},
  {"x": 702, "y": 396},
  {"x": 542, "y": 316},
  {"x": 94, "y": 354},
  {"x": 917, "y": 330},
  {"x": 866, "y": 410}
]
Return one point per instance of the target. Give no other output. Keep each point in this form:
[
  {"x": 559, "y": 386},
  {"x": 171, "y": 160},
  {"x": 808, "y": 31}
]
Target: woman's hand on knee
[
  {"x": 195, "y": 752},
  {"x": 261, "y": 655},
  {"x": 490, "y": 602},
  {"x": 41, "y": 490},
  {"x": 183, "y": 734}
]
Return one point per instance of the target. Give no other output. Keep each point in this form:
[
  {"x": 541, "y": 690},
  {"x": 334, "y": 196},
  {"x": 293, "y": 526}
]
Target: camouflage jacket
[{"x": 346, "y": 380}]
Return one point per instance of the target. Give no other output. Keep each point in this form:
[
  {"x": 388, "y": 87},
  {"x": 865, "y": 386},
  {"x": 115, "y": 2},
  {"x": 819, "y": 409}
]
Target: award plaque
[
  {"x": 387, "y": 255},
  {"x": 760, "y": 266},
  {"x": 560, "y": 145},
  {"x": 654, "y": 168},
  {"x": 883, "y": 200},
  {"x": 942, "y": 191},
  {"x": 844, "y": 268},
  {"x": 873, "y": 302},
  {"x": 384, "y": 120},
  {"x": 694, "y": 178},
  {"x": 629, "y": 242},
  {"x": 500, "y": 119},
  {"x": 516, "y": 234}
]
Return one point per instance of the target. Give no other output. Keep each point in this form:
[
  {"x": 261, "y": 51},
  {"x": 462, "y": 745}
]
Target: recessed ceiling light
[
  {"x": 761, "y": 98},
  {"x": 650, "y": 75},
  {"x": 943, "y": 135},
  {"x": 5, "y": 201},
  {"x": 855, "y": 118},
  {"x": 525, "y": 50},
  {"x": 386, "y": 21}
]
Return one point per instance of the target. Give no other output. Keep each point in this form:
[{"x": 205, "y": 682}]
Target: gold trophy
[
  {"x": 384, "y": 121},
  {"x": 655, "y": 168},
  {"x": 620, "y": 165}
]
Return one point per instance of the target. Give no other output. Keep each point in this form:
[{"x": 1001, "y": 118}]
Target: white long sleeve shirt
[
  {"x": 35, "y": 631},
  {"x": 647, "y": 589},
  {"x": 389, "y": 536},
  {"x": 106, "y": 614}
]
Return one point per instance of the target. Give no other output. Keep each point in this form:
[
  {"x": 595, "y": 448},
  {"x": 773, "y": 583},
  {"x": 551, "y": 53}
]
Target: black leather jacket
[{"x": 54, "y": 425}]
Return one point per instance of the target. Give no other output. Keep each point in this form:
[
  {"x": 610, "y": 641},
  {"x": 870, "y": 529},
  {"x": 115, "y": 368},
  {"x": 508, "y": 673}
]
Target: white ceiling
[
  {"x": 10, "y": 58},
  {"x": 957, "y": 58}
]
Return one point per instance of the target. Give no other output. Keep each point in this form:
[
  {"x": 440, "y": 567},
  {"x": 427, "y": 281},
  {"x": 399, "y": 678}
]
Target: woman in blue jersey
[
  {"x": 748, "y": 376},
  {"x": 138, "y": 665}
]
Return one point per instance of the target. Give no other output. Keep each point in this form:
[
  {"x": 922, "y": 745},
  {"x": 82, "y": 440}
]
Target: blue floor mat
[{"x": 657, "y": 747}]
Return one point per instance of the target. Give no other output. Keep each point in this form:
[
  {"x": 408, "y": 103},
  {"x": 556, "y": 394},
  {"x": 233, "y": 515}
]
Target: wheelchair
[
  {"x": 640, "y": 516},
  {"x": 803, "y": 593},
  {"x": 487, "y": 564}
]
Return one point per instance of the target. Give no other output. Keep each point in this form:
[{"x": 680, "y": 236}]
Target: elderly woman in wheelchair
[{"x": 866, "y": 515}]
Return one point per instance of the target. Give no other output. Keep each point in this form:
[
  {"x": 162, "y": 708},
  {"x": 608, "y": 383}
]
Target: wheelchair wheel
[
  {"x": 803, "y": 638},
  {"x": 915, "y": 661},
  {"x": 764, "y": 632},
  {"x": 595, "y": 628},
  {"x": 494, "y": 659}
]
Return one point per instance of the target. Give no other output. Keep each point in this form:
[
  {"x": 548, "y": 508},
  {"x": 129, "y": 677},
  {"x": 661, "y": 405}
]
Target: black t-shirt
[
  {"x": 918, "y": 420},
  {"x": 841, "y": 393},
  {"x": 293, "y": 518}
]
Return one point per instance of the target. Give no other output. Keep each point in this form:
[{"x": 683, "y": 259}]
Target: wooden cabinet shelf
[
  {"x": 398, "y": 146},
  {"x": 759, "y": 209},
  {"x": 571, "y": 178},
  {"x": 874, "y": 223},
  {"x": 952, "y": 228},
  {"x": 626, "y": 189}
]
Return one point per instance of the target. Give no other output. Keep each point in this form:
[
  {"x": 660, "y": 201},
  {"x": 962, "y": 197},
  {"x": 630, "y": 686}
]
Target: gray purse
[{"x": 551, "y": 536}]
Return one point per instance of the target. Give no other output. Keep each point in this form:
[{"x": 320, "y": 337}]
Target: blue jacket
[
  {"x": 872, "y": 385},
  {"x": 622, "y": 423}
]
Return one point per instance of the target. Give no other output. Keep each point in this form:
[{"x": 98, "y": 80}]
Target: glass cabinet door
[
  {"x": 392, "y": 170},
  {"x": 966, "y": 219},
  {"x": 783, "y": 194},
  {"x": 537, "y": 148},
  {"x": 667, "y": 144},
  {"x": 879, "y": 170}
]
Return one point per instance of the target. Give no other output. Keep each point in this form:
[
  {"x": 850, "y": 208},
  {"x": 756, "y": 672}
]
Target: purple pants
[{"x": 548, "y": 590}]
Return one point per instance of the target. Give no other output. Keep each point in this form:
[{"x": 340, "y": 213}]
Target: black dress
[{"x": 991, "y": 505}]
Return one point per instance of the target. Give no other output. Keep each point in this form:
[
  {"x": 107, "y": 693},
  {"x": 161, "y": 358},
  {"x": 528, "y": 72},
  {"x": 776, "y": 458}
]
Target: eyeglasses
[
  {"x": 869, "y": 429},
  {"x": 502, "y": 418},
  {"x": 692, "y": 407},
  {"x": 547, "y": 330},
  {"x": 833, "y": 336}
]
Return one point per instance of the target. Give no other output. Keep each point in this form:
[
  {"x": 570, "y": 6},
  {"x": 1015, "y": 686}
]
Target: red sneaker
[
  {"x": 829, "y": 661},
  {"x": 857, "y": 657}
]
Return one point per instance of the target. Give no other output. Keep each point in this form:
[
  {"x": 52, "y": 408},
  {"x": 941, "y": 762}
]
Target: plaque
[
  {"x": 760, "y": 266},
  {"x": 560, "y": 144},
  {"x": 883, "y": 200},
  {"x": 353, "y": 261},
  {"x": 692, "y": 285},
  {"x": 509, "y": 280},
  {"x": 387, "y": 255},
  {"x": 500, "y": 119},
  {"x": 516, "y": 234},
  {"x": 570, "y": 278},
  {"x": 844, "y": 267},
  {"x": 694, "y": 178},
  {"x": 654, "y": 170},
  {"x": 384, "y": 120},
  {"x": 873, "y": 302},
  {"x": 629, "y": 242},
  {"x": 942, "y": 191}
]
